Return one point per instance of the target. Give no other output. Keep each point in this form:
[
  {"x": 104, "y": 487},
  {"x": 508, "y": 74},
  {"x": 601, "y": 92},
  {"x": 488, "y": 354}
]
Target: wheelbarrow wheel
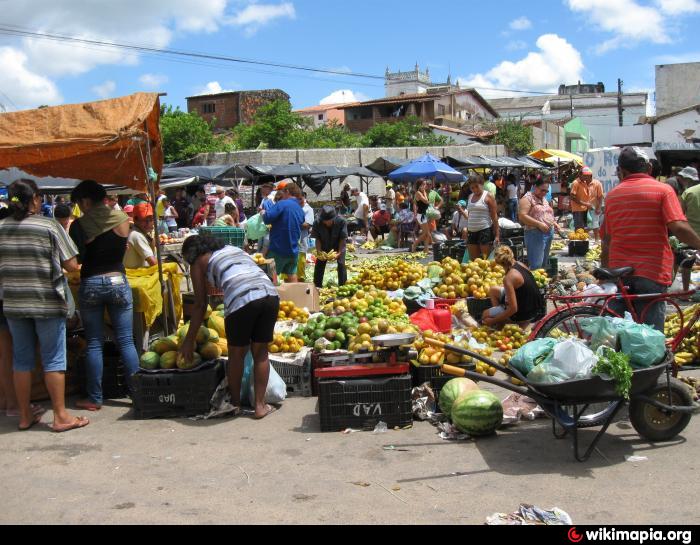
[{"x": 656, "y": 424}]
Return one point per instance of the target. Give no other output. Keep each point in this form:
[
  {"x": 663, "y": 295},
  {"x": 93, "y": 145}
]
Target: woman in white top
[
  {"x": 170, "y": 216},
  {"x": 512, "y": 192},
  {"x": 483, "y": 220}
]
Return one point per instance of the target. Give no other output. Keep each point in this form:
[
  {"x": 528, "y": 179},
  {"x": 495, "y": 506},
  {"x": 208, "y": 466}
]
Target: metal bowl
[{"x": 390, "y": 341}]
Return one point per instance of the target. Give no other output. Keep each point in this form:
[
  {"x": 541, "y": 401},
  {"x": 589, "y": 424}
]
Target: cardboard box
[{"x": 302, "y": 295}]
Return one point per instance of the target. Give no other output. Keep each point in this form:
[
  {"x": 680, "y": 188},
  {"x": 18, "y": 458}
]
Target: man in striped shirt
[{"x": 638, "y": 215}]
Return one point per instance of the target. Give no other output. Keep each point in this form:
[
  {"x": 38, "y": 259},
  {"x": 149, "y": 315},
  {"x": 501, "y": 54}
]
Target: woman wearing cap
[
  {"x": 140, "y": 252},
  {"x": 331, "y": 234},
  {"x": 519, "y": 300},
  {"x": 101, "y": 235},
  {"x": 252, "y": 305},
  {"x": 483, "y": 219}
]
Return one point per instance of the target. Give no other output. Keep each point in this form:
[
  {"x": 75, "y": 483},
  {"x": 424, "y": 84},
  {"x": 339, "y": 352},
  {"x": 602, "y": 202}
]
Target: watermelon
[
  {"x": 477, "y": 413},
  {"x": 453, "y": 390}
]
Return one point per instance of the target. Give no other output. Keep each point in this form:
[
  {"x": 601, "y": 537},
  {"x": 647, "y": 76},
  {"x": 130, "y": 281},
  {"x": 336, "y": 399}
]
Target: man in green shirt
[
  {"x": 690, "y": 200},
  {"x": 491, "y": 187}
]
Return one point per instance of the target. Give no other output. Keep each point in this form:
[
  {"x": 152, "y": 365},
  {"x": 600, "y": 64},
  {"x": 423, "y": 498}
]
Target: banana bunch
[
  {"x": 684, "y": 358},
  {"x": 351, "y": 248},
  {"x": 557, "y": 246},
  {"x": 326, "y": 256},
  {"x": 369, "y": 246},
  {"x": 689, "y": 351},
  {"x": 594, "y": 254}
]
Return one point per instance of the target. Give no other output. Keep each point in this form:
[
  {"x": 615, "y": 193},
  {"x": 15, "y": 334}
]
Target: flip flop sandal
[
  {"x": 37, "y": 419},
  {"x": 270, "y": 410},
  {"x": 78, "y": 422},
  {"x": 37, "y": 410}
]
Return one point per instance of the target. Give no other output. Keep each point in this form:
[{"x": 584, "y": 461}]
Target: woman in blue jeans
[
  {"x": 101, "y": 235},
  {"x": 537, "y": 216}
]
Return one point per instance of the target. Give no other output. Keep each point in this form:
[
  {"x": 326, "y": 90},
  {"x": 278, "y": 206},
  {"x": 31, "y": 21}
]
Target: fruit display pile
[
  {"x": 689, "y": 351},
  {"x": 326, "y": 256},
  {"x": 511, "y": 337},
  {"x": 594, "y": 254},
  {"x": 211, "y": 345},
  {"x": 542, "y": 278},
  {"x": 286, "y": 343},
  {"x": 368, "y": 304},
  {"x": 430, "y": 355},
  {"x": 581, "y": 234},
  {"x": 259, "y": 259},
  {"x": 289, "y": 311},
  {"x": 167, "y": 239},
  {"x": 473, "y": 279},
  {"x": 557, "y": 247},
  {"x": 395, "y": 275}
]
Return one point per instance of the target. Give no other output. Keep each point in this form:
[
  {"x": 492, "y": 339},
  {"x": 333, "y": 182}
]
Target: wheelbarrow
[{"x": 660, "y": 406}]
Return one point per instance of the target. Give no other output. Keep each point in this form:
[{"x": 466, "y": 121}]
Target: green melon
[
  {"x": 453, "y": 390},
  {"x": 477, "y": 413},
  {"x": 150, "y": 361},
  {"x": 161, "y": 346},
  {"x": 168, "y": 360}
]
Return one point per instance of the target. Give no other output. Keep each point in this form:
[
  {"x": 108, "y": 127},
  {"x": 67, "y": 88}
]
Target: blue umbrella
[{"x": 427, "y": 166}]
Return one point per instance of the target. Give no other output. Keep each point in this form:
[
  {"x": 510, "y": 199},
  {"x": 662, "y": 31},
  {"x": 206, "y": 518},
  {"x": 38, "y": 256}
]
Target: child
[{"x": 407, "y": 224}]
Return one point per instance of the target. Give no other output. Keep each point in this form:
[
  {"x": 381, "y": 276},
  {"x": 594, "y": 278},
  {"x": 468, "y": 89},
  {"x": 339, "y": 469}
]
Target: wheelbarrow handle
[{"x": 453, "y": 371}]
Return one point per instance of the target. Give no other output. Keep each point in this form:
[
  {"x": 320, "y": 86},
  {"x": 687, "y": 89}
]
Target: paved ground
[{"x": 283, "y": 470}]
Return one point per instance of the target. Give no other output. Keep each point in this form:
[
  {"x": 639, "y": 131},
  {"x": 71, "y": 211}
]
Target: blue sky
[{"x": 501, "y": 44}]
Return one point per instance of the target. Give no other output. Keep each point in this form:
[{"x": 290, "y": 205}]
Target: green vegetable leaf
[{"x": 616, "y": 365}]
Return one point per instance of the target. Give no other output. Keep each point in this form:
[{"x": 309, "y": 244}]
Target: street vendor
[
  {"x": 286, "y": 219},
  {"x": 251, "y": 308},
  {"x": 587, "y": 196},
  {"x": 331, "y": 234},
  {"x": 519, "y": 300},
  {"x": 140, "y": 252}
]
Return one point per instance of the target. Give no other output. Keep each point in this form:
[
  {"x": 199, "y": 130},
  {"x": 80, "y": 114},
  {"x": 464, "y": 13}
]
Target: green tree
[
  {"x": 272, "y": 127},
  {"x": 185, "y": 135},
  {"x": 333, "y": 135},
  {"x": 405, "y": 133},
  {"x": 516, "y": 137}
]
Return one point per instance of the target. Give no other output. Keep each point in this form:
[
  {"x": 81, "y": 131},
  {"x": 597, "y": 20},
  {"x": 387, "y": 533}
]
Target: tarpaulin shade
[
  {"x": 107, "y": 141},
  {"x": 207, "y": 173},
  {"x": 284, "y": 171},
  {"x": 556, "y": 155},
  {"x": 427, "y": 166},
  {"x": 386, "y": 165},
  {"x": 48, "y": 185}
]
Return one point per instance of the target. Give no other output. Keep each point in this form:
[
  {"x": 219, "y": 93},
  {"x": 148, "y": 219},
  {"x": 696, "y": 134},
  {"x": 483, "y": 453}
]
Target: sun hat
[{"x": 689, "y": 173}]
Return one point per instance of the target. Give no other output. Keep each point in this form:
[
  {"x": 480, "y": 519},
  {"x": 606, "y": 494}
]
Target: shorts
[
  {"x": 51, "y": 333},
  {"x": 580, "y": 220},
  {"x": 362, "y": 224},
  {"x": 383, "y": 230},
  {"x": 595, "y": 220},
  {"x": 422, "y": 219},
  {"x": 3, "y": 320},
  {"x": 481, "y": 238},
  {"x": 254, "y": 323},
  {"x": 286, "y": 264}
]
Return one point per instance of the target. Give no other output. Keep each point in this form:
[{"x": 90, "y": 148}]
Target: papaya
[
  {"x": 213, "y": 336},
  {"x": 217, "y": 324},
  {"x": 168, "y": 360},
  {"x": 202, "y": 335},
  {"x": 208, "y": 312},
  {"x": 182, "y": 364},
  {"x": 161, "y": 346},
  {"x": 223, "y": 345},
  {"x": 210, "y": 351},
  {"x": 150, "y": 361}
]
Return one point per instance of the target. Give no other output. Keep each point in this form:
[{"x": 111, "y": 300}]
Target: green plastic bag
[
  {"x": 604, "y": 331},
  {"x": 533, "y": 354},
  {"x": 645, "y": 346},
  {"x": 255, "y": 228},
  {"x": 467, "y": 258}
]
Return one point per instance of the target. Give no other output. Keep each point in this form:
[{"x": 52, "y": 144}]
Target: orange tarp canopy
[{"x": 107, "y": 141}]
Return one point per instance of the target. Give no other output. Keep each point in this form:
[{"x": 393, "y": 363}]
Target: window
[
  {"x": 209, "y": 108},
  {"x": 441, "y": 109},
  {"x": 320, "y": 117}
]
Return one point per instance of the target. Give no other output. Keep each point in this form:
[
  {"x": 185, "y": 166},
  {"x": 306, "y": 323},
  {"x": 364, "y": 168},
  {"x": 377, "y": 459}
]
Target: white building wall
[
  {"x": 677, "y": 87},
  {"x": 673, "y": 129}
]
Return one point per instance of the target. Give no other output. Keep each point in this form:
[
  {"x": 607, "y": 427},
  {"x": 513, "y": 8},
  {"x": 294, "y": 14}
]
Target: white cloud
[
  {"x": 556, "y": 62},
  {"x": 343, "y": 96},
  {"x": 150, "y": 23},
  {"x": 213, "y": 88},
  {"x": 679, "y": 7},
  {"x": 25, "y": 88},
  {"x": 521, "y": 23},
  {"x": 255, "y": 15},
  {"x": 632, "y": 23},
  {"x": 516, "y": 45},
  {"x": 105, "y": 90},
  {"x": 153, "y": 81}
]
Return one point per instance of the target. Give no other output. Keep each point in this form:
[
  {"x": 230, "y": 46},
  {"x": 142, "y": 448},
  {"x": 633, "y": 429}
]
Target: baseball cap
[
  {"x": 328, "y": 213},
  {"x": 282, "y": 185},
  {"x": 586, "y": 172},
  {"x": 690, "y": 173},
  {"x": 143, "y": 211},
  {"x": 463, "y": 204}
]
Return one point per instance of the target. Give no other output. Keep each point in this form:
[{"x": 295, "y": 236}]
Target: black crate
[
  {"x": 457, "y": 251},
  {"x": 579, "y": 248},
  {"x": 440, "y": 251},
  {"x": 477, "y": 307},
  {"x": 512, "y": 233},
  {"x": 114, "y": 382},
  {"x": 176, "y": 394},
  {"x": 363, "y": 403},
  {"x": 553, "y": 268},
  {"x": 297, "y": 378}
]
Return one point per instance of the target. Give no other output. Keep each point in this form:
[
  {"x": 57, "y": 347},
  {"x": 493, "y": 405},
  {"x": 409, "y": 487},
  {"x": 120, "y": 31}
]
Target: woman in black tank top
[
  {"x": 101, "y": 235},
  {"x": 520, "y": 300}
]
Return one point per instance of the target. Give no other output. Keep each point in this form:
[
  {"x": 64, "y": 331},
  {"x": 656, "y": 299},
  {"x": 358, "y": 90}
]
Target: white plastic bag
[
  {"x": 594, "y": 289},
  {"x": 574, "y": 359},
  {"x": 276, "y": 391}
]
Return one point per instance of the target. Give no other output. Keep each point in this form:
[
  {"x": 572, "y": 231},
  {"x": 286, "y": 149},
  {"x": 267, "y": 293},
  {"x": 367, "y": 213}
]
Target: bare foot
[{"x": 262, "y": 412}]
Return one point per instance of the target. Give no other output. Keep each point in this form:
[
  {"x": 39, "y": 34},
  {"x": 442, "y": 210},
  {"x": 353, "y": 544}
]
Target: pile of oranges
[
  {"x": 289, "y": 311},
  {"x": 579, "y": 235}
]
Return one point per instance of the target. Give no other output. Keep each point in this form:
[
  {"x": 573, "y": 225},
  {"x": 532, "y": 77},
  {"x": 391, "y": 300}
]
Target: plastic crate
[
  {"x": 363, "y": 403},
  {"x": 176, "y": 394},
  {"x": 231, "y": 236},
  {"x": 114, "y": 383},
  {"x": 512, "y": 233},
  {"x": 553, "y": 268},
  {"x": 579, "y": 248},
  {"x": 297, "y": 378},
  {"x": 440, "y": 252}
]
